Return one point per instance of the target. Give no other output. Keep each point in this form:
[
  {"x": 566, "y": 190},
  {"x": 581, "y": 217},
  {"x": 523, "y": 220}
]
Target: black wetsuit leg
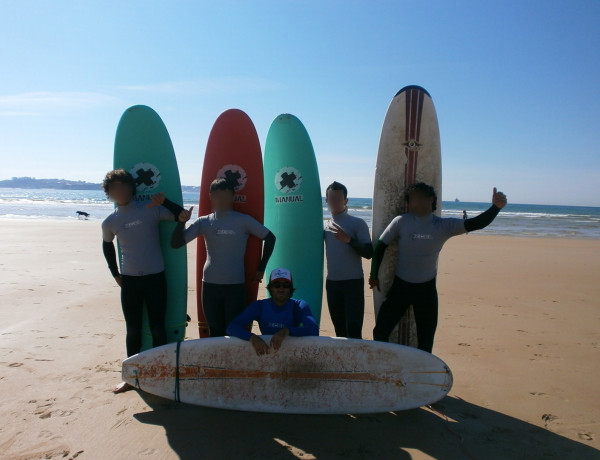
[
  {"x": 346, "y": 301},
  {"x": 155, "y": 296},
  {"x": 234, "y": 302},
  {"x": 423, "y": 297},
  {"x": 132, "y": 302},
  {"x": 222, "y": 303},
  {"x": 392, "y": 309},
  {"x": 425, "y": 306}
]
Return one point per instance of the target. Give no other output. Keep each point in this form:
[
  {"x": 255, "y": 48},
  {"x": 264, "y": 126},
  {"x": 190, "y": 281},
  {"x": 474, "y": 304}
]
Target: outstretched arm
[
  {"x": 173, "y": 207},
  {"x": 485, "y": 218},
  {"x": 177, "y": 239},
  {"x": 378, "y": 253},
  {"x": 158, "y": 199}
]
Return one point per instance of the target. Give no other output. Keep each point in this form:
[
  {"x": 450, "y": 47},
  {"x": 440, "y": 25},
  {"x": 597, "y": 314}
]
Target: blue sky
[{"x": 515, "y": 84}]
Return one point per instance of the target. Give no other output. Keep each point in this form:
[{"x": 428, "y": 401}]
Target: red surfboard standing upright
[{"x": 233, "y": 152}]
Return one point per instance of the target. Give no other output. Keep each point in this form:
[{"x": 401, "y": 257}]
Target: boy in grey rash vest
[
  {"x": 347, "y": 241},
  {"x": 225, "y": 234},
  {"x": 420, "y": 235},
  {"x": 142, "y": 277}
]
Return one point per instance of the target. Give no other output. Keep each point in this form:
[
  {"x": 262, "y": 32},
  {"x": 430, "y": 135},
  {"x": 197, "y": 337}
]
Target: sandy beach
[{"x": 518, "y": 326}]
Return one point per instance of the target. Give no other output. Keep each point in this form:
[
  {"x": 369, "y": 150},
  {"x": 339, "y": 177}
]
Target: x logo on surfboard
[
  {"x": 288, "y": 179},
  {"x": 235, "y": 175},
  {"x": 146, "y": 176}
]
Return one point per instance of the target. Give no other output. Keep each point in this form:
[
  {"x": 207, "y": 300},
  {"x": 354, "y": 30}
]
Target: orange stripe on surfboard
[{"x": 201, "y": 373}]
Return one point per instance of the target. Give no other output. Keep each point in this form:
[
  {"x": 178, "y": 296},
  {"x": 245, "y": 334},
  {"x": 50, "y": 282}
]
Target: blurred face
[
  {"x": 221, "y": 200},
  {"x": 120, "y": 192},
  {"x": 336, "y": 201},
  {"x": 420, "y": 204},
  {"x": 281, "y": 291}
]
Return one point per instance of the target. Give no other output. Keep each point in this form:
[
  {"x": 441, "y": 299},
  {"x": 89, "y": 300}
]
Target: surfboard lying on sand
[
  {"x": 143, "y": 147},
  {"x": 294, "y": 208},
  {"x": 233, "y": 152},
  {"x": 307, "y": 375},
  {"x": 409, "y": 152}
]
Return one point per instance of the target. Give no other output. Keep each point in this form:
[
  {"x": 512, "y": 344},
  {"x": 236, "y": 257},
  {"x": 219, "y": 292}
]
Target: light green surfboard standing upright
[
  {"x": 143, "y": 148},
  {"x": 294, "y": 208}
]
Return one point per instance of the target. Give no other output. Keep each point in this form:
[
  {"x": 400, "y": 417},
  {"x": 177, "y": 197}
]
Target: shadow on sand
[{"x": 472, "y": 432}]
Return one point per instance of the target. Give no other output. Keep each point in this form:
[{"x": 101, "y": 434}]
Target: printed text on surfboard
[{"x": 289, "y": 199}]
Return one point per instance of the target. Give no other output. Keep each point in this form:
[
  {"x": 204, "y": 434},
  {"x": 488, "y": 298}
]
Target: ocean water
[{"x": 515, "y": 219}]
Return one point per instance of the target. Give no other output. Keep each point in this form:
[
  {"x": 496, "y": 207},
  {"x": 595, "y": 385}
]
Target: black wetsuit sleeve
[
  {"x": 108, "y": 248},
  {"x": 267, "y": 251},
  {"x": 177, "y": 239},
  {"x": 482, "y": 220},
  {"x": 378, "y": 253},
  {"x": 173, "y": 207},
  {"x": 362, "y": 249}
]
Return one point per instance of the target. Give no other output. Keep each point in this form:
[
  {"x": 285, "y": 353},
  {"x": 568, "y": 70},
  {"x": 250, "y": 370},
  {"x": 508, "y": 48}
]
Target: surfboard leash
[
  {"x": 137, "y": 380},
  {"x": 177, "y": 372},
  {"x": 452, "y": 432}
]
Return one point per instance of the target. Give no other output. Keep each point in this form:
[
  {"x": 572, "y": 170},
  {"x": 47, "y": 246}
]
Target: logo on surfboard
[
  {"x": 235, "y": 175},
  {"x": 146, "y": 176},
  {"x": 288, "y": 179},
  {"x": 412, "y": 145}
]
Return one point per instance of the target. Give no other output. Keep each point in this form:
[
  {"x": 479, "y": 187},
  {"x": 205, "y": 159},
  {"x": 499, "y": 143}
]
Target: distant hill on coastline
[{"x": 62, "y": 184}]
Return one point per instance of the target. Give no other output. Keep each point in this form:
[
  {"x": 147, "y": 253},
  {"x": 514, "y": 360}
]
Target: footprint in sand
[
  {"x": 548, "y": 418},
  {"x": 43, "y": 407},
  {"x": 55, "y": 413},
  {"x": 586, "y": 435},
  {"x": 50, "y": 447},
  {"x": 538, "y": 356},
  {"x": 106, "y": 335},
  {"x": 48, "y": 435},
  {"x": 109, "y": 367},
  {"x": 118, "y": 423}
]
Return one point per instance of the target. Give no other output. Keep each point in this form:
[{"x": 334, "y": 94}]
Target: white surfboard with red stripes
[
  {"x": 307, "y": 375},
  {"x": 409, "y": 152}
]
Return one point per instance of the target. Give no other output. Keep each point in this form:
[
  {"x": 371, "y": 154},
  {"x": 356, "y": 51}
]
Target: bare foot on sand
[{"x": 122, "y": 388}]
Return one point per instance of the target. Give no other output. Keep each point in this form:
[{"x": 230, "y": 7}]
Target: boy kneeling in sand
[
  {"x": 281, "y": 315},
  {"x": 142, "y": 277}
]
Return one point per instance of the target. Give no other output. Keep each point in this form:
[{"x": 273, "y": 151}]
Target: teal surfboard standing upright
[
  {"x": 294, "y": 208},
  {"x": 143, "y": 147}
]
